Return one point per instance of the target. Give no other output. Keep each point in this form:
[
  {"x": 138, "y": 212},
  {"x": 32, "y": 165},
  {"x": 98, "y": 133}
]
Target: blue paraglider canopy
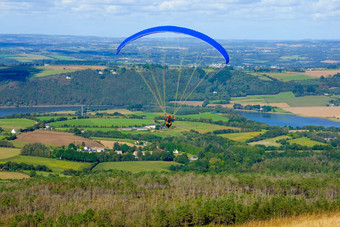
[{"x": 176, "y": 29}]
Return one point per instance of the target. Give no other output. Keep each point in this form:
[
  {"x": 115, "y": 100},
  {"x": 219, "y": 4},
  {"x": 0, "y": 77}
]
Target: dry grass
[
  {"x": 315, "y": 220},
  {"x": 12, "y": 175},
  {"x": 6, "y": 152},
  {"x": 189, "y": 103},
  {"x": 223, "y": 105},
  {"x": 316, "y": 111},
  {"x": 75, "y": 67},
  {"x": 55, "y": 138},
  {"x": 319, "y": 73}
]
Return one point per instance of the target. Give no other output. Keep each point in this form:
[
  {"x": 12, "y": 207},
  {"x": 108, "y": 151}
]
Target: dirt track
[{"x": 55, "y": 138}]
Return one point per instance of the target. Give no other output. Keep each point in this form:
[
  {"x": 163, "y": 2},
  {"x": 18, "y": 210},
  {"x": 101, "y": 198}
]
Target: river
[{"x": 288, "y": 119}]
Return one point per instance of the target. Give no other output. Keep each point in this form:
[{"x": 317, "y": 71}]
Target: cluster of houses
[{"x": 144, "y": 128}]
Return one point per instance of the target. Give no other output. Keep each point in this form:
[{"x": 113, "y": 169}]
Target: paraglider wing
[{"x": 176, "y": 29}]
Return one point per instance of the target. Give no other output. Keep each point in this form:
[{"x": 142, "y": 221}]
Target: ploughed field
[{"x": 55, "y": 138}]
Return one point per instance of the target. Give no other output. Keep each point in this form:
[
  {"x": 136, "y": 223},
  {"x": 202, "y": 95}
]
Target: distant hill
[{"x": 126, "y": 86}]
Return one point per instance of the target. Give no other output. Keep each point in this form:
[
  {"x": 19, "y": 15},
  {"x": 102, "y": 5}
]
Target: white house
[
  {"x": 14, "y": 131},
  {"x": 175, "y": 151},
  {"x": 94, "y": 149},
  {"x": 152, "y": 126},
  {"x": 193, "y": 158}
]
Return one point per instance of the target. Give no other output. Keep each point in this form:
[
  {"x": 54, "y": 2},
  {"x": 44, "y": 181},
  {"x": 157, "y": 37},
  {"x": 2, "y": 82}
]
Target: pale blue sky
[{"x": 221, "y": 19}]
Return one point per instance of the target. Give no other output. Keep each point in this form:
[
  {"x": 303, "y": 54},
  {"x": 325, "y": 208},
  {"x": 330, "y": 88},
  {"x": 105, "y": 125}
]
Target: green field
[
  {"x": 304, "y": 141},
  {"x": 281, "y": 97},
  {"x": 103, "y": 122},
  {"x": 16, "y": 123},
  {"x": 240, "y": 137},
  {"x": 136, "y": 166},
  {"x": 6, "y": 152},
  {"x": 57, "y": 166},
  {"x": 19, "y": 144},
  {"x": 29, "y": 57},
  {"x": 305, "y": 101},
  {"x": 147, "y": 115},
  {"x": 284, "y": 97},
  {"x": 215, "y": 117},
  {"x": 48, "y": 71}
]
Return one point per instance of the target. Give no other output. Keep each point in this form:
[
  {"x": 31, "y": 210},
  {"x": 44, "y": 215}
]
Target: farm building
[{"x": 93, "y": 149}]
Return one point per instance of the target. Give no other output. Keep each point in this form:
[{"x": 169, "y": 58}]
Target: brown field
[
  {"x": 330, "y": 61},
  {"x": 55, "y": 138},
  {"x": 75, "y": 67},
  {"x": 319, "y": 73},
  {"x": 12, "y": 175},
  {"x": 109, "y": 143},
  {"x": 316, "y": 220},
  {"x": 189, "y": 103},
  {"x": 316, "y": 111},
  {"x": 223, "y": 105}
]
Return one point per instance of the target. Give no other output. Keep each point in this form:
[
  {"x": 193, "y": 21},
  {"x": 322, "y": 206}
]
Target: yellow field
[
  {"x": 12, "y": 175},
  {"x": 316, "y": 220},
  {"x": 241, "y": 137},
  {"x": 6, "y": 152},
  {"x": 316, "y": 111}
]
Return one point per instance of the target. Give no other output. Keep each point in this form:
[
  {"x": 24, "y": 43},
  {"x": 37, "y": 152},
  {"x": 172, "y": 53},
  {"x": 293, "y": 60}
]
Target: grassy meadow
[
  {"x": 50, "y": 71},
  {"x": 16, "y": 123},
  {"x": 103, "y": 122},
  {"x": 305, "y": 142},
  {"x": 215, "y": 117},
  {"x": 283, "y": 97},
  {"x": 6, "y": 152},
  {"x": 241, "y": 136},
  {"x": 24, "y": 58}
]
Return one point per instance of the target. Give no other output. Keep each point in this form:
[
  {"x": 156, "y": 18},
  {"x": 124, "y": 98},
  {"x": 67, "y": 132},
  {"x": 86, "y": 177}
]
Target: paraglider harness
[{"x": 169, "y": 120}]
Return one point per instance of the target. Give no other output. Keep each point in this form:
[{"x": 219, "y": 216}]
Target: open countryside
[{"x": 106, "y": 122}]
